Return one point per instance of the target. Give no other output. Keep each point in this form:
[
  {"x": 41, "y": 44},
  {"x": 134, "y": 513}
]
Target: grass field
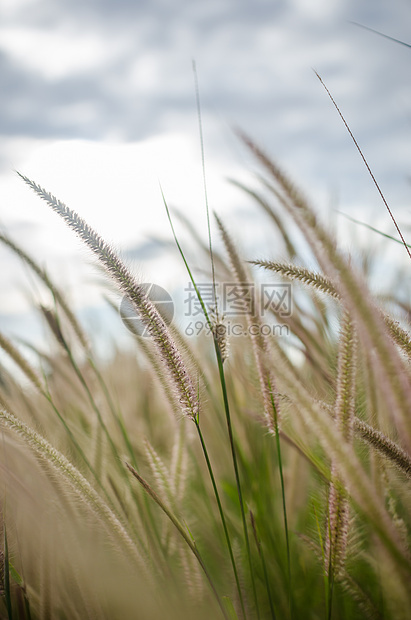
[{"x": 254, "y": 476}]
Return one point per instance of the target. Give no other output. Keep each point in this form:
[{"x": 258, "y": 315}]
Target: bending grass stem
[
  {"x": 223, "y": 521},
  {"x": 182, "y": 533}
]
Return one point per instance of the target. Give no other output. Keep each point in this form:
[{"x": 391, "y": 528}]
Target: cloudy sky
[{"x": 98, "y": 105}]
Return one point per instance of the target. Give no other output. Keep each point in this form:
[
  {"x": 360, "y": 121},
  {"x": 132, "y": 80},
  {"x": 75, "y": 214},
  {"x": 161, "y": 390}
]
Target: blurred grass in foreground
[{"x": 268, "y": 479}]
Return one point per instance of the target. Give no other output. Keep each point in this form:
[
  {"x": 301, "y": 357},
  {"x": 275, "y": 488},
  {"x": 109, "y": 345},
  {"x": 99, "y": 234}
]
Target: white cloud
[
  {"x": 114, "y": 186},
  {"x": 117, "y": 184},
  {"x": 11, "y": 7},
  {"x": 57, "y": 53}
]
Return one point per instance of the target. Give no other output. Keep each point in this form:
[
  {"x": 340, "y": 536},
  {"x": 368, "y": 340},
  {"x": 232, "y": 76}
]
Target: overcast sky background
[{"x": 98, "y": 106}]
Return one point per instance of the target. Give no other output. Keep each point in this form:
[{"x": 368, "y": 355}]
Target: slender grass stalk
[
  {"x": 280, "y": 469},
  {"x": 329, "y": 565},
  {"x": 181, "y": 530},
  {"x": 55, "y": 327},
  {"x": 258, "y": 342},
  {"x": 46, "y": 583},
  {"x": 236, "y": 471},
  {"x": 2, "y": 560},
  {"x": 200, "y": 127},
  {"x": 374, "y": 180},
  {"x": 161, "y": 474},
  {"x": 381, "y": 34},
  {"x": 228, "y": 419},
  {"x": 220, "y": 349},
  {"x": 219, "y": 263},
  {"x": 222, "y": 517},
  {"x": 116, "y": 414},
  {"x": 26, "y": 605},
  {"x": 80, "y": 451},
  {"x": 267, "y": 383},
  {"x": 179, "y": 464},
  {"x": 104, "y": 428}
]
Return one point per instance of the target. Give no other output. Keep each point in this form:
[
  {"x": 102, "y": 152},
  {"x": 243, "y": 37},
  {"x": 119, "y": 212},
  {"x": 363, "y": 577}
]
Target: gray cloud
[{"x": 254, "y": 64}]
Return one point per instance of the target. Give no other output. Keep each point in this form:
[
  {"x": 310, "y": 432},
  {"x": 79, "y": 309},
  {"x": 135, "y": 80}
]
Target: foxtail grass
[
  {"x": 115, "y": 268},
  {"x": 393, "y": 379},
  {"x": 344, "y": 412}
]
